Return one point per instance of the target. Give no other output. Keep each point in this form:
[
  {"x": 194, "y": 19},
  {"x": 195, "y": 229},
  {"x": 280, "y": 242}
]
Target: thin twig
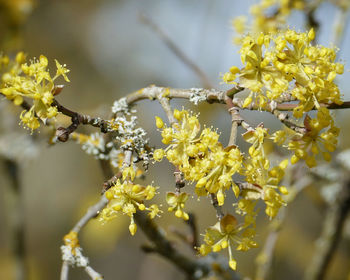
[
  {"x": 17, "y": 224},
  {"x": 265, "y": 257},
  {"x": 164, "y": 102},
  {"x": 163, "y": 247},
  {"x": 177, "y": 51},
  {"x": 194, "y": 231},
  {"x": 64, "y": 271},
  {"x": 91, "y": 213},
  {"x": 77, "y": 119},
  {"x": 340, "y": 22},
  {"x": 284, "y": 118},
  {"x": 214, "y": 201},
  {"x": 236, "y": 120}
]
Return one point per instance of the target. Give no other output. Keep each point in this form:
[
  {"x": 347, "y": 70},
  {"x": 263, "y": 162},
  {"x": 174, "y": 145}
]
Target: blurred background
[{"x": 111, "y": 53}]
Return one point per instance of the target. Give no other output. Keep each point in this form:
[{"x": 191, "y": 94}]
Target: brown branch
[
  {"x": 189, "y": 239},
  {"x": 110, "y": 182},
  {"x": 194, "y": 231},
  {"x": 177, "y": 51},
  {"x": 77, "y": 119},
  {"x": 163, "y": 247}
]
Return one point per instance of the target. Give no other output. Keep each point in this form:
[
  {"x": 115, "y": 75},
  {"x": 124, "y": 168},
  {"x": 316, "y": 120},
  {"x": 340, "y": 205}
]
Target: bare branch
[
  {"x": 92, "y": 212},
  {"x": 177, "y": 51}
]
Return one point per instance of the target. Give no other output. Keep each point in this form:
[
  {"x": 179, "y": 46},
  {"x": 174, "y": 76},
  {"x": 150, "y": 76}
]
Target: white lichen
[
  {"x": 197, "y": 95},
  {"x": 76, "y": 259}
]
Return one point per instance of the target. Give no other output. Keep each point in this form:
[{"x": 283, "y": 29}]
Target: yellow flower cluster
[
  {"x": 265, "y": 21},
  {"x": 258, "y": 173},
  {"x": 20, "y": 81},
  {"x": 127, "y": 198},
  {"x": 287, "y": 67},
  {"x": 320, "y": 137},
  {"x": 287, "y": 63},
  {"x": 227, "y": 234},
  {"x": 200, "y": 157}
]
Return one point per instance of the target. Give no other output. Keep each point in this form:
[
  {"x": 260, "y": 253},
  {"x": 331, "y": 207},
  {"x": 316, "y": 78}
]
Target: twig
[
  {"x": 194, "y": 231},
  {"x": 236, "y": 121},
  {"x": 189, "y": 239},
  {"x": 64, "y": 271},
  {"x": 176, "y": 50},
  {"x": 340, "y": 22},
  {"x": 265, "y": 257},
  {"x": 77, "y": 119},
  {"x": 17, "y": 225},
  {"x": 155, "y": 234},
  {"x": 214, "y": 202},
  {"x": 331, "y": 234},
  {"x": 284, "y": 118},
  {"x": 109, "y": 183},
  {"x": 91, "y": 213},
  {"x": 164, "y": 102},
  {"x": 162, "y": 246}
]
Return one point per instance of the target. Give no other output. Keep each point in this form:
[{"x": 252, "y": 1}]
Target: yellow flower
[
  {"x": 177, "y": 203},
  {"x": 62, "y": 70},
  {"x": 226, "y": 234},
  {"x": 127, "y": 198}
]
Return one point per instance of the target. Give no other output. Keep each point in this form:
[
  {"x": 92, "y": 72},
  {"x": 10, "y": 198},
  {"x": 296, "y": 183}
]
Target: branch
[
  {"x": 164, "y": 102},
  {"x": 91, "y": 213},
  {"x": 177, "y": 51},
  {"x": 152, "y": 92},
  {"x": 264, "y": 260},
  {"x": 214, "y": 201},
  {"x": 213, "y": 96},
  {"x": 15, "y": 210},
  {"x": 165, "y": 248},
  {"x": 77, "y": 119},
  {"x": 236, "y": 121},
  {"x": 331, "y": 234}
]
